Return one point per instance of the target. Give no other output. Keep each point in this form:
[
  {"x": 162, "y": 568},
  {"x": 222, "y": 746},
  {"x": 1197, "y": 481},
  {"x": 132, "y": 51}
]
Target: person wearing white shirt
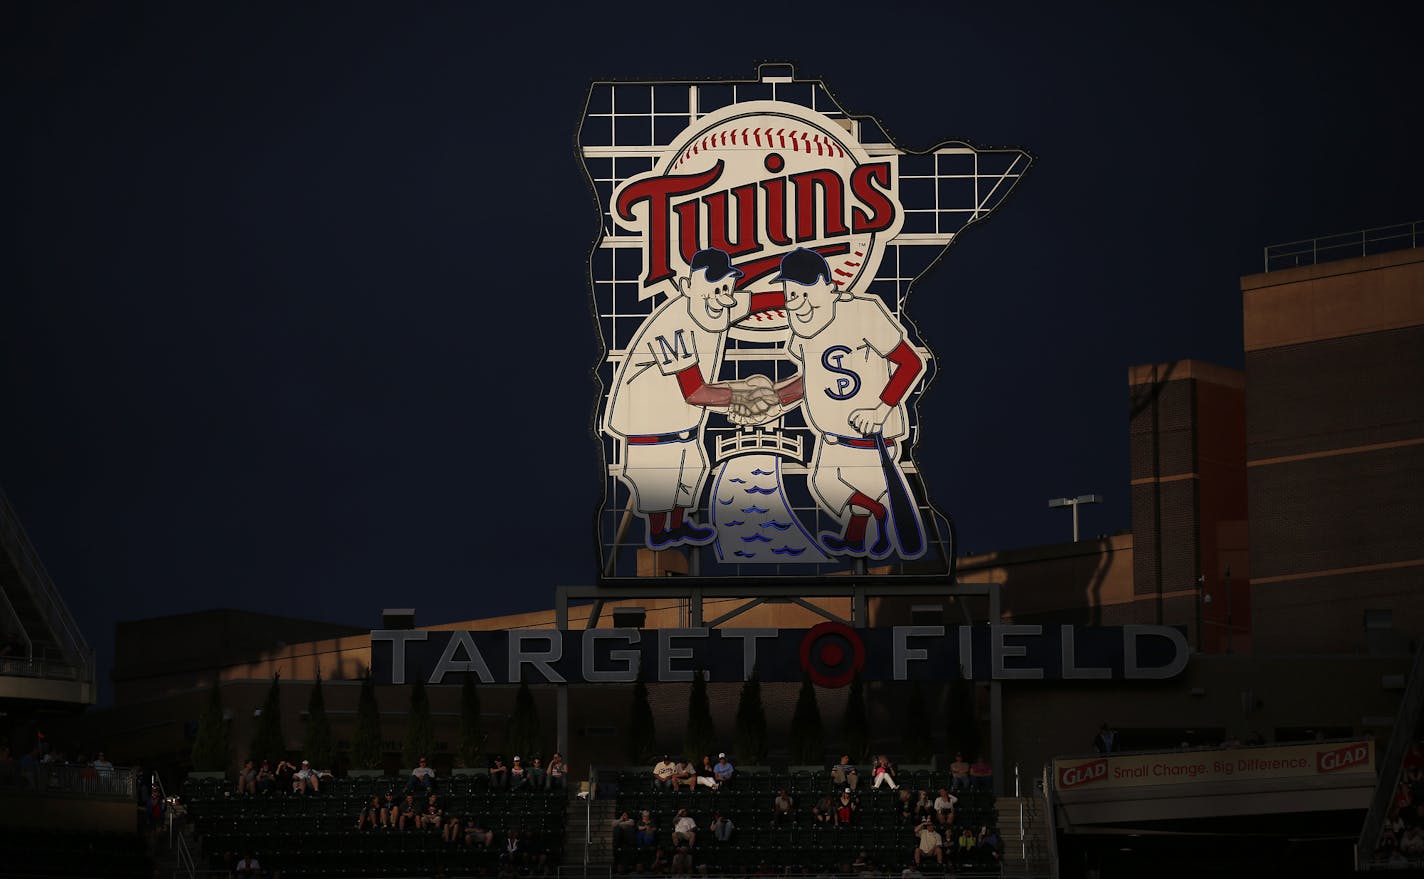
[
  {"x": 305, "y": 779},
  {"x": 248, "y": 868},
  {"x": 684, "y": 831}
]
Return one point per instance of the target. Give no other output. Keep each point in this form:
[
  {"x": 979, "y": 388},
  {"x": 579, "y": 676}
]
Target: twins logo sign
[{"x": 758, "y": 246}]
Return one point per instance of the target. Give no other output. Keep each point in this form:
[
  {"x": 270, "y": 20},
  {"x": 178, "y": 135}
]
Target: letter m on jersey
[{"x": 668, "y": 352}]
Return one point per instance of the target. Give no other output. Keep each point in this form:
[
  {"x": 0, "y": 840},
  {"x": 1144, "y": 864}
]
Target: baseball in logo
[
  {"x": 750, "y": 284},
  {"x": 832, "y": 653}
]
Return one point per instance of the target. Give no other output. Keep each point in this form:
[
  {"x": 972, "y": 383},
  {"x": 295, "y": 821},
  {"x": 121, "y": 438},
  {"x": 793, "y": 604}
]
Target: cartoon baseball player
[
  {"x": 660, "y": 397},
  {"x": 856, "y": 369}
]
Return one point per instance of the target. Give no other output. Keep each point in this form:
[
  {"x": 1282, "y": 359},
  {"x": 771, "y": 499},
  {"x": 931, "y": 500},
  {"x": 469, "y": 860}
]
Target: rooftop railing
[{"x": 1365, "y": 242}]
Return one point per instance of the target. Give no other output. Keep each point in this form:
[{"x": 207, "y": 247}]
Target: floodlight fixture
[{"x": 1075, "y": 502}]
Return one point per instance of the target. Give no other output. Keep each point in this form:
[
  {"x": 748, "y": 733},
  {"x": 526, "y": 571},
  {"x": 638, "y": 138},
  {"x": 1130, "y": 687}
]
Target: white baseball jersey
[
  {"x": 646, "y": 398},
  {"x": 844, "y": 366}
]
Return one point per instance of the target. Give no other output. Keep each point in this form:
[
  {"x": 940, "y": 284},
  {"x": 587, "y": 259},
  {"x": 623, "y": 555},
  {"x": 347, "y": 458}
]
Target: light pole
[{"x": 1074, "y": 502}]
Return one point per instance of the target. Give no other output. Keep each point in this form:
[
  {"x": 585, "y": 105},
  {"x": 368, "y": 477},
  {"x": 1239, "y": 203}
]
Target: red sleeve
[
  {"x": 907, "y": 369},
  {"x": 768, "y": 300},
  {"x": 690, "y": 381}
]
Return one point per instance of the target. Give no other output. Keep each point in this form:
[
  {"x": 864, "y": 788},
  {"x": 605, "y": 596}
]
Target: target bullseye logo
[{"x": 832, "y": 654}]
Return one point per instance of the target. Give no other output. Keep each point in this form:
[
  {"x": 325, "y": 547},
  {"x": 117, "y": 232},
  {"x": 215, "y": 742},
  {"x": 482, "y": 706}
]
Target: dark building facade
[{"x": 1335, "y": 452}]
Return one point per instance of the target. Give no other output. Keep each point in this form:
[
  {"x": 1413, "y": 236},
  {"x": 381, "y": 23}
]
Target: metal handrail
[
  {"x": 1310, "y": 251},
  {"x": 1050, "y": 811}
]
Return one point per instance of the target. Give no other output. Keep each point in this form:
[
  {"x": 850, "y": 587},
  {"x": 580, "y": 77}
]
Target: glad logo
[
  {"x": 1086, "y": 773},
  {"x": 756, "y": 180},
  {"x": 1344, "y": 757}
]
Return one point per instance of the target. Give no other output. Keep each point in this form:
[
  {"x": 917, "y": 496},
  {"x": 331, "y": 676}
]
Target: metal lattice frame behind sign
[{"x": 715, "y": 199}]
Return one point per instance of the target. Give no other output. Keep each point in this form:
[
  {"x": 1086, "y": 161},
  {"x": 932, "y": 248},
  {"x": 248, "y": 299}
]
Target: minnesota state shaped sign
[{"x": 759, "y": 391}]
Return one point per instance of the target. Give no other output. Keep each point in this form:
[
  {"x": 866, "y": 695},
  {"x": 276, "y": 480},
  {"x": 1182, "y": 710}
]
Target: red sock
[
  {"x": 865, "y": 502},
  {"x": 657, "y": 523},
  {"x": 675, "y": 518},
  {"x": 855, "y": 528}
]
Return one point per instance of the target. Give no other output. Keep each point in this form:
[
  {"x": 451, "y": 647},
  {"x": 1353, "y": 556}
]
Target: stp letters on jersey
[{"x": 759, "y": 395}]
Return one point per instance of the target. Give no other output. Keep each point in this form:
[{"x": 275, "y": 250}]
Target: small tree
[
  {"x": 524, "y": 723},
  {"x": 962, "y": 730},
  {"x": 211, "y": 751},
  {"x": 366, "y": 742},
  {"x": 419, "y": 729},
  {"x": 700, "y": 737},
  {"x": 472, "y": 737},
  {"x": 268, "y": 742},
  {"x": 751, "y": 722},
  {"x": 317, "y": 747},
  {"x": 808, "y": 741},
  {"x": 642, "y": 734},
  {"x": 915, "y": 736},
  {"x": 855, "y": 724}
]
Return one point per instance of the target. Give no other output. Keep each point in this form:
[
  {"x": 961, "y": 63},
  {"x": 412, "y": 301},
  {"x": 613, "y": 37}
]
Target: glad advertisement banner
[
  {"x": 1192, "y": 767},
  {"x": 761, "y": 376}
]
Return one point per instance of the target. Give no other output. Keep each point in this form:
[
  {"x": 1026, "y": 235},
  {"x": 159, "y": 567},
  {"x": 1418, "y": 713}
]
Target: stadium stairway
[
  {"x": 581, "y": 816},
  {"x": 1027, "y": 855}
]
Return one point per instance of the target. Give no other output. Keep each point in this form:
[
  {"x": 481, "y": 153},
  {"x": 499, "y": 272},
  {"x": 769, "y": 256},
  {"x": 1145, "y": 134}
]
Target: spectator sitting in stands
[
  {"x": 498, "y": 774},
  {"x": 246, "y": 778},
  {"x": 390, "y": 811},
  {"x": 681, "y": 861},
  {"x": 905, "y": 808},
  {"x": 558, "y": 772},
  {"x": 518, "y": 775},
  {"x": 647, "y": 831},
  {"x": 422, "y": 778},
  {"x": 845, "y": 809},
  {"x": 409, "y": 814},
  {"x": 247, "y": 868},
  {"x": 512, "y": 851},
  {"x": 432, "y": 816},
  {"x": 266, "y": 779},
  {"x": 624, "y": 828},
  {"x": 723, "y": 771},
  {"x": 844, "y": 773},
  {"x": 967, "y": 842},
  {"x": 707, "y": 776},
  {"x": 306, "y": 779},
  {"x": 929, "y": 842},
  {"x": 684, "y": 775},
  {"x": 989, "y": 842},
  {"x": 283, "y": 773},
  {"x": 924, "y": 808},
  {"x": 981, "y": 775},
  {"x": 538, "y": 777},
  {"x": 824, "y": 812},
  {"x": 477, "y": 835},
  {"x": 884, "y": 773},
  {"x": 104, "y": 767},
  {"x": 370, "y": 817},
  {"x": 453, "y": 832},
  {"x": 684, "y": 830},
  {"x": 722, "y": 827},
  {"x": 781, "y": 809},
  {"x": 29, "y": 768},
  {"x": 944, "y": 807},
  {"x": 664, "y": 774},
  {"x": 958, "y": 774}
]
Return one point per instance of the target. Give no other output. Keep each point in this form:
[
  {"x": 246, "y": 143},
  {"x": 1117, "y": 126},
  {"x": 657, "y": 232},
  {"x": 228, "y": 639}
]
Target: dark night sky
[{"x": 295, "y": 315}]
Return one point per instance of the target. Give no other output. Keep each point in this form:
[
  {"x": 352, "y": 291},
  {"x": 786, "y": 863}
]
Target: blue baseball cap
[
  {"x": 716, "y": 262},
  {"x": 803, "y": 266}
]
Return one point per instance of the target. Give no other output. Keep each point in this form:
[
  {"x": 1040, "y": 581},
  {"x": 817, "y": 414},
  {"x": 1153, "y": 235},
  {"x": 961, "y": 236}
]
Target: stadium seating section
[
  {"x": 886, "y": 840},
  {"x": 317, "y": 835}
]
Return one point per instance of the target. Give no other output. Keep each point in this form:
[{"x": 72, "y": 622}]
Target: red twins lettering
[{"x": 819, "y": 205}]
